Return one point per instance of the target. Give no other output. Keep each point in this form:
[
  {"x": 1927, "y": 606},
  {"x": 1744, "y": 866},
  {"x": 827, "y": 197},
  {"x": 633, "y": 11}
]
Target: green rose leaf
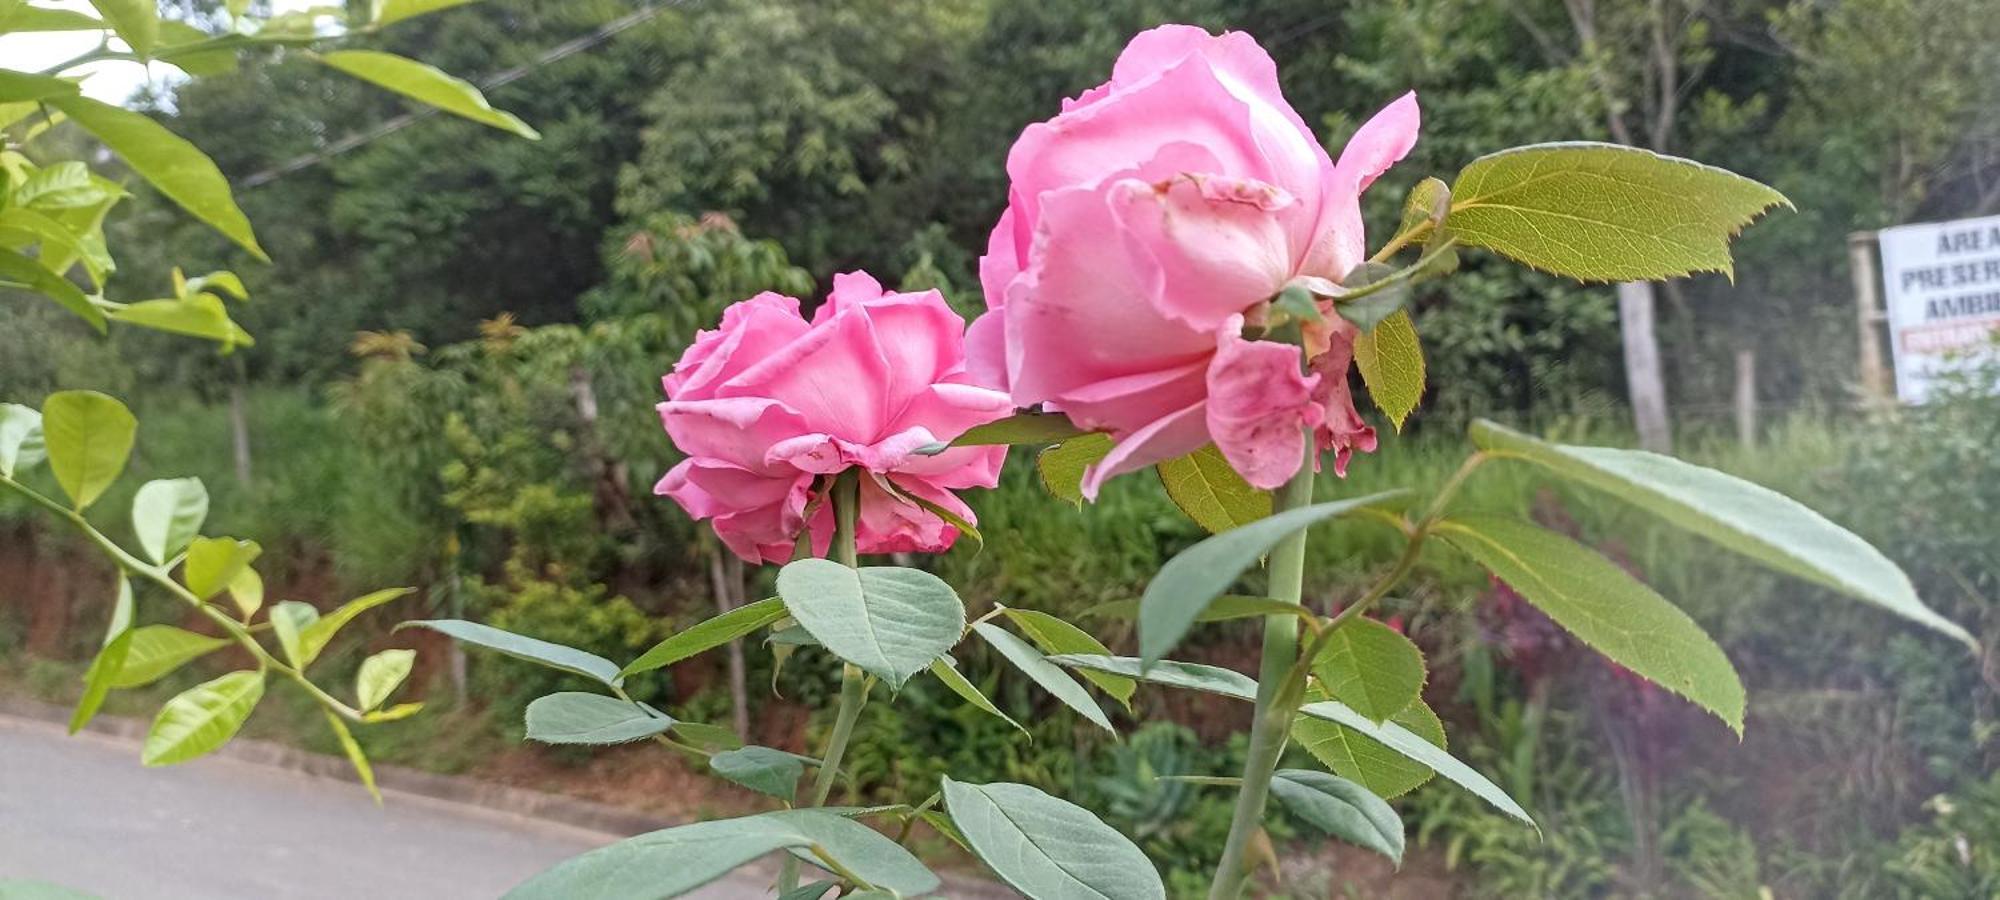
[
  {"x": 98, "y": 678},
  {"x": 1046, "y": 847},
  {"x": 947, "y": 672},
  {"x": 1020, "y": 428},
  {"x": 1389, "y": 295},
  {"x": 380, "y": 675},
  {"x": 1206, "y": 487},
  {"x": 1055, "y": 636},
  {"x": 246, "y": 590},
  {"x": 889, "y": 621},
  {"x": 355, "y": 756},
  {"x": 202, "y": 315},
  {"x": 539, "y": 652},
  {"x": 1341, "y": 808},
  {"x": 1371, "y": 667},
  {"x": 1353, "y": 755},
  {"x": 202, "y": 718},
  {"x": 317, "y": 635},
  {"x": 167, "y": 515},
  {"x": 289, "y": 620},
  {"x": 20, "y": 438},
  {"x": 708, "y": 635},
  {"x": 1418, "y": 749},
  {"x": 89, "y": 437},
  {"x": 21, "y": 87},
  {"x": 1391, "y": 361},
  {"x": 1044, "y": 673},
  {"x": 761, "y": 769},
  {"x": 212, "y": 563},
  {"x": 1168, "y": 673},
  {"x": 1201, "y": 573},
  {"x": 1739, "y": 515},
  {"x": 675, "y": 861},
  {"x": 177, "y": 168},
  {"x": 158, "y": 649},
  {"x": 1605, "y": 607},
  {"x": 426, "y": 85},
  {"x": 1061, "y": 466},
  {"x": 17, "y": 268},
  {"x": 1225, "y": 608},
  {"x": 1603, "y": 212},
  {"x": 574, "y": 717},
  {"x": 136, "y": 21},
  {"x": 389, "y": 12}
]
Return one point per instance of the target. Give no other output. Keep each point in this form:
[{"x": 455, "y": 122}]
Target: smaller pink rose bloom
[
  {"x": 1143, "y": 223},
  {"x": 769, "y": 404}
]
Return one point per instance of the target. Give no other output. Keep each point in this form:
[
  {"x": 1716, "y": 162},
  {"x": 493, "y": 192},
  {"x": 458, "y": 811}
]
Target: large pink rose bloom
[
  {"x": 769, "y": 403},
  {"x": 1143, "y": 223}
]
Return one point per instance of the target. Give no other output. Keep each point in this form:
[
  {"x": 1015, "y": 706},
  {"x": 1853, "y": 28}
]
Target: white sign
[{"x": 1941, "y": 283}]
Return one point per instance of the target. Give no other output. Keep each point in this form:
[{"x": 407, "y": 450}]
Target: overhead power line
[{"x": 561, "y": 51}]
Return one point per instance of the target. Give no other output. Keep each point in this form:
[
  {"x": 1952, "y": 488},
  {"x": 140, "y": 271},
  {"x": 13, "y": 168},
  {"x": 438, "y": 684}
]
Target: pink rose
[
  {"x": 1143, "y": 223},
  {"x": 769, "y": 403}
]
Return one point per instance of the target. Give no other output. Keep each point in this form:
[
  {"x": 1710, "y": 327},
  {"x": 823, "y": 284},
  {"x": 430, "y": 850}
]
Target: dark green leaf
[
  {"x": 1748, "y": 518},
  {"x": 1402, "y": 741},
  {"x": 1056, "y": 636},
  {"x": 539, "y": 652},
  {"x": 1225, "y": 608},
  {"x": 889, "y": 621},
  {"x": 574, "y": 717},
  {"x": 1048, "y": 848},
  {"x": 1602, "y": 212},
  {"x": 1341, "y": 808},
  {"x": 1391, "y": 361},
  {"x": 1188, "y": 582},
  {"x": 761, "y": 769},
  {"x": 713, "y": 738},
  {"x": 1206, "y": 487},
  {"x": 1363, "y": 759},
  {"x": 949, "y": 674},
  {"x": 1369, "y": 666},
  {"x": 1605, "y": 607},
  {"x": 708, "y": 635}
]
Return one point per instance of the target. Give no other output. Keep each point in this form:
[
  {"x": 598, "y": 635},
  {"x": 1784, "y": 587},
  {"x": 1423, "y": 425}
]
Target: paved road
[{"x": 81, "y": 812}]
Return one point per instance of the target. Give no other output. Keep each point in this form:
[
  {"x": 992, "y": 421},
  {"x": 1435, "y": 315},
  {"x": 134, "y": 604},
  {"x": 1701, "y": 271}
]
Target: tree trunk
[
  {"x": 239, "y": 427},
  {"x": 1643, "y": 378},
  {"x": 726, "y": 572}
]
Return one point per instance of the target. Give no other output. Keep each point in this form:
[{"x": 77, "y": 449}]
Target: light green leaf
[
  {"x": 1748, "y": 518},
  {"x": 1429, "y": 201},
  {"x": 167, "y": 515},
  {"x": 676, "y": 861},
  {"x": 1186, "y": 584},
  {"x": 355, "y": 756},
  {"x": 425, "y": 85},
  {"x": 574, "y": 717},
  {"x": 1419, "y": 749},
  {"x": 889, "y": 621},
  {"x": 121, "y": 611},
  {"x": 89, "y": 437},
  {"x": 1020, "y": 428},
  {"x": 1391, "y": 361},
  {"x": 159, "y": 649},
  {"x": 202, "y": 718},
  {"x": 1168, "y": 673},
  {"x": 380, "y": 675},
  {"x": 1055, "y": 636},
  {"x": 394, "y": 713},
  {"x": 194, "y": 51},
  {"x": 1369, "y": 666},
  {"x": 22, "y": 270},
  {"x": 1044, "y": 673},
  {"x": 708, "y": 635},
  {"x": 761, "y": 769},
  {"x": 317, "y": 635},
  {"x": 20, "y": 438},
  {"x": 23, "y": 889},
  {"x": 539, "y": 652},
  {"x": 202, "y": 316},
  {"x": 177, "y": 168},
  {"x": 1049, "y": 848},
  {"x": 1341, "y": 808},
  {"x": 713, "y": 738},
  {"x": 288, "y": 620},
  {"x": 137, "y": 21},
  {"x": 1363, "y": 759},
  {"x": 97, "y": 680},
  {"x": 948, "y": 673},
  {"x": 1602, "y": 212},
  {"x": 41, "y": 18},
  {"x": 62, "y": 185},
  {"x": 1206, "y": 487},
  {"x": 1225, "y": 608},
  {"x": 246, "y": 590},
  {"x": 213, "y": 562},
  {"x": 21, "y": 87},
  {"x": 21, "y": 226},
  {"x": 1605, "y": 607},
  {"x": 1062, "y": 465},
  {"x": 389, "y": 12}
]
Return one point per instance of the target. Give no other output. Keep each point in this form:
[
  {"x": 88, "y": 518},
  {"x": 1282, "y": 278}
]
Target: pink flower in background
[
  {"x": 1143, "y": 223},
  {"x": 768, "y": 403}
]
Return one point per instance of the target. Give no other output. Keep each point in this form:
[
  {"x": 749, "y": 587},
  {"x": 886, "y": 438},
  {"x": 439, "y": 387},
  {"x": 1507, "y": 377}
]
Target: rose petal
[
  {"x": 1177, "y": 434},
  {"x": 836, "y": 377},
  {"x": 1222, "y": 244},
  {"x": 1259, "y": 405},
  {"x": 737, "y": 430},
  {"x": 750, "y": 331}
]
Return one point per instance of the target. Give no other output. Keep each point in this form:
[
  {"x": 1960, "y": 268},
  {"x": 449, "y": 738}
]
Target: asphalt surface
[{"x": 81, "y": 812}]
